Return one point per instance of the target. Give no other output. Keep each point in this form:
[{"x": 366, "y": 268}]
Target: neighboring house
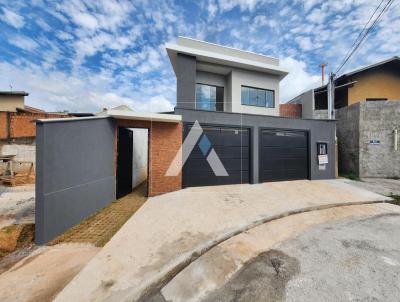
[
  {"x": 376, "y": 82},
  {"x": 85, "y": 163},
  {"x": 367, "y": 108},
  {"x": 18, "y": 130}
]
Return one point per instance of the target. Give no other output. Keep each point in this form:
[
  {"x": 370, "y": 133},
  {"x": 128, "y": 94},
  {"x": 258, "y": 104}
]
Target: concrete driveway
[{"x": 172, "y": 230}]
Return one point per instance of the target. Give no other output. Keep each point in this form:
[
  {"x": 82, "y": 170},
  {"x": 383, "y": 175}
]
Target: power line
[
  {"x": 356, "y": 44},
  {"x": 365, "y": 26}
]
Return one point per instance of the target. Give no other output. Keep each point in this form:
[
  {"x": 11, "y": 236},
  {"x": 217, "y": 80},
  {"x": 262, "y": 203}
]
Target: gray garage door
[
  {"x": 231, "y": 146},
  {"x": 283, "y": 155}
]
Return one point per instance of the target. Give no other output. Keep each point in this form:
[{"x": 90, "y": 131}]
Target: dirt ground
[
  {"x": 384, "y": 186},
  {"x": 101, "y": 226},
  {"x": 42, "y": 274},
  {"x": 32, "y": 273},
  {"x": 17, "y": 205}
]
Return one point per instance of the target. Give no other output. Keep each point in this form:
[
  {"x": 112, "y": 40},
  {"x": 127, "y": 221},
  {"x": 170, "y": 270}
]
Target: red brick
[
  {"x": 290, "y": 110},
  {"x": 21, "y": 124},
  {"x": 3, "y": 125},
  {"x": 165, "y": 139}
]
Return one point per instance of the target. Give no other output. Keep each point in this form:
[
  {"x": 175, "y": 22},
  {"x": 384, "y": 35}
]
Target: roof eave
[
  {"x": 144, "y": 116},
  {"x": 211, "y": 57}
]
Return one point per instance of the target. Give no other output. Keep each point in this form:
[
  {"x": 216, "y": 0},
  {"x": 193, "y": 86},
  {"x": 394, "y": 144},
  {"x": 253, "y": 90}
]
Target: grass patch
[
  {"x": 101, "y": 226},
  {"x": 351, "y": 176},
  {"x": 396, "y": 199}
]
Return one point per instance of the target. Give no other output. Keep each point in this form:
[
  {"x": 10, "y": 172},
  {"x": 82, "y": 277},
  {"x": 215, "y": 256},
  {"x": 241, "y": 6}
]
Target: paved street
[{"x": 348, "y": 253}]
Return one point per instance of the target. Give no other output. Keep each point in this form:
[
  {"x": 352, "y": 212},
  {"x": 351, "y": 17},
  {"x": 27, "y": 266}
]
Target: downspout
[{"x": 395, "y": 139}]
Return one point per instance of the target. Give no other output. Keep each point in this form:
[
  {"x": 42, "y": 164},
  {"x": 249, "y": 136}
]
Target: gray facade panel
[
  {"x": 75, "y": 173},
  {"x": 185, "y": 81},
  {"x": 319, "y": 131}
]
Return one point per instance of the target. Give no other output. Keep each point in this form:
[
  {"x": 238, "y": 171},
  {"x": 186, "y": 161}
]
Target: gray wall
[
  {"x": 189, "y": 72},
  {"x": 360, "y": 123},
  {"x": 185, "y": 81},
  {"x": 306, "y": 99},
  {"x": 75, "y": 172},
  {"x": 320, "y": 131},
  {"x": 348, "y": 121},
  {"x": 377, "y": 122}
]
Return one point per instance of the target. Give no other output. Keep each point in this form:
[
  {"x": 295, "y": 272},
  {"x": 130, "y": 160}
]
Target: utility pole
[
  {"x": 323, "y": 65},
  {"x": 331, "y": 96}
]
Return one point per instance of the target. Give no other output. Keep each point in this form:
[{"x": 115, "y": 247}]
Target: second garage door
[
  {"x": 283, "y": 155},
  {"x": 232, "y": 147}
]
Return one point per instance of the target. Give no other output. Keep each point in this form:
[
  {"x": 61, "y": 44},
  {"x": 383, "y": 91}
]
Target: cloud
[
  {"x": 298, "y": 80},
  {"x": 93, "y": 53},
  {"x": 23, "y": 42},
  {"x": 12, "y": 18},
  {"x": 87, "y": 21},
  {"x": 57, "y": 91},
  {"x": 212, "y": 8},
  {"x": 227, "y": 5},
  {"x": 43, "y": 24},
  {"x": 156, "y": 104}
]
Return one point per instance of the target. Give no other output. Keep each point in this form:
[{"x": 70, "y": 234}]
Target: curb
[{"x": 168, "y": 272}]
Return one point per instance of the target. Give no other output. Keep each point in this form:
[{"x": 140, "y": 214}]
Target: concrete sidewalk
[{"x": 171, "y": 230}]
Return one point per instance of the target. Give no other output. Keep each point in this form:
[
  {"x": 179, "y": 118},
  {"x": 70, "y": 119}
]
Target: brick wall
[
  {"x": 3, "y": 125},
  {"x": 18, "y": 125},
  {"x": 165, "y": 139},
  {"x": 290, "y": 110}
]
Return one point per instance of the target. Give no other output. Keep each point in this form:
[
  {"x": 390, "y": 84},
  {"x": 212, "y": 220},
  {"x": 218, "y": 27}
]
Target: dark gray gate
[
  {"x": 283, "y": 155},
  {"x": 232, "y": 147},
  {"x": 74, "y": 172}
]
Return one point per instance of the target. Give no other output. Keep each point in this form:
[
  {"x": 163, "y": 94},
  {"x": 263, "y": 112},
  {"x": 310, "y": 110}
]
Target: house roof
[
  {"x": 362, "y": 69},
  {"x": 227, "y": 56},
  {"x": 390, "y": 60},
  {"x": 21, "y": 93},
  {"x": 356, "y": 71},
  {"x": 126, "y": 113},
  {"x": 30, "y": 109},
  {"x": 144, "y": 116}
]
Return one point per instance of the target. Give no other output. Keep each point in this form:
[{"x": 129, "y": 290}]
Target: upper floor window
[
  {"x": 209, "y": 97},
  {"x": 258, "y": 97}
]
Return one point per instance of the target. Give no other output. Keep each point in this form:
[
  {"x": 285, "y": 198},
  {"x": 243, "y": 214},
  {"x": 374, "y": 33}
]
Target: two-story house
[
  {"x": 234, "y": 95},
  {"x": 225, "y": 129}
]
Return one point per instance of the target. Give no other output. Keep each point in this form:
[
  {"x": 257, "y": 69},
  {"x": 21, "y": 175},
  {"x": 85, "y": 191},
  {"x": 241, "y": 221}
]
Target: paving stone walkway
[{"x": 101, "y": 226}]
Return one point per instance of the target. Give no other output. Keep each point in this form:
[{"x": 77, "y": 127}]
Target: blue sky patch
[{"x": 86, "y": 55}]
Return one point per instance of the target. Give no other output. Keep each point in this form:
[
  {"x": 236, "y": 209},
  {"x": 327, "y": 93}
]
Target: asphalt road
[{"x": 350, "y": 260}]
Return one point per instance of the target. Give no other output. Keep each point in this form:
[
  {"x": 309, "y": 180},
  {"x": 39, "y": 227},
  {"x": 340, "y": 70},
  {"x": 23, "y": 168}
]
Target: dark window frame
[
  {"x": 257, "y": 89},
  {"x": 219, "y": 105}
]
